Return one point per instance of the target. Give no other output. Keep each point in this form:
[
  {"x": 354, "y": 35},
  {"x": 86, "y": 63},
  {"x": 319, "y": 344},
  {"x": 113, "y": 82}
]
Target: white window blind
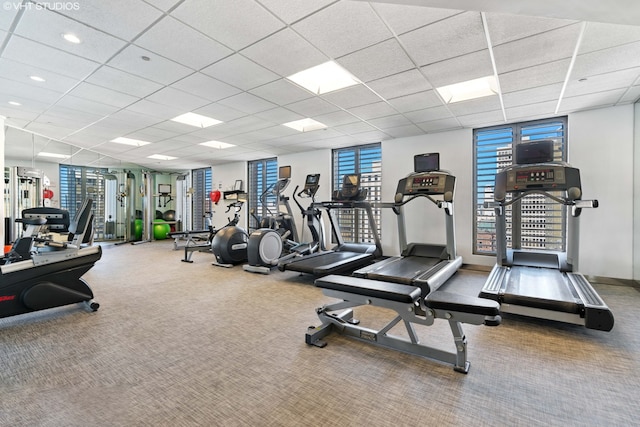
[
  {"x": 202, "y": 185},
  {"x": 262, "y": 174},
  {"x": 367, "y": 161},
  {"x": 543, "y": 222}
]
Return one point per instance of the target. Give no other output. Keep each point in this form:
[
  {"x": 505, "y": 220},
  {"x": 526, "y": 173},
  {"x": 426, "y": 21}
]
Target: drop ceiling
[{"x": 229, "y": 60}]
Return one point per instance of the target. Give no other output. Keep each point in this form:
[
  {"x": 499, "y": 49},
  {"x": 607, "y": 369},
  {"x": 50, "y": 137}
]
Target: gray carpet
[{"x": 176, "y": 344}]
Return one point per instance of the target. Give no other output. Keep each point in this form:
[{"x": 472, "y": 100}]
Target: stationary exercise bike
[
  {"x": 269, "y": 246},
  {"x": 39, "y": 273},
  {"x": 229, "y": 245}
]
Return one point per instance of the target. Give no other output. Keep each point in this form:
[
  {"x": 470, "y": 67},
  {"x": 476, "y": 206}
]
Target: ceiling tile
[
  {"x": 591, "y": 101},
  {"x": 108, "y": 16},
  {"x": 220, "y": 112},
  {"x": 104, "y": 95},
  {"x": 451, "y": 37},
  {"x": 377, "y": 61},
  {"x": 532, "y": 96},
  {"x": 240, "y": 72},
  {"x": 457, "y": 69},
  {"x": 406, "y": 83},
  {"x": 177, "y": 99},
  {"x": 285, "y": 53},
  {"x": 292, "y": 10},
  {"x": 429, "y": 114},
  {"x": 404, "y": 18},
  {"x": 48, "y": 58},
  {"x": 390, "y": 121},
  {"x": 602, "y": 36},
  {"x": 26, "y": 91},
  {"x": 416, "y": 101},
  {"x": 603, "y": 82},
  {"x": 504, "y": 28},
  {"x": 312, "y": 107},
  {"x": 206, "y": 87},
  {"x": 535, "y": 50},
  {"x": 9, "y": 14},
  {"x": 632, "y": 95},
  {"x": 487, "y": 103},
  {"x": 607, "y": 60},
  {"x": 123, "y": 82},
  {"x": 281, "y": 92},
  {"x": 342, "y": 28},
  {"x": 353, "y": 128},
  {"x": 372, "y": 111},
  {"x": 156, "y": 110},
  {"x": 47, "y": 27},
  {"x": 247, "y": 103},
  {"x": 539, "y": 75},
  {"x": 374, "y": 136},
  {"x": 532, "y": 111},
  {"x": 352, "y": 96},
  {"x": 336, "y": 118},
  {"x": 220, "y": 22},
  {"x": 158, "y": 69},
  {"x": 486, "y": 118},
  {"x": 404, "y": 131},
  {"x": 279, "y": 116},
  {"x": 86, "y": 106},
  {"x": 174, "y": 40}
]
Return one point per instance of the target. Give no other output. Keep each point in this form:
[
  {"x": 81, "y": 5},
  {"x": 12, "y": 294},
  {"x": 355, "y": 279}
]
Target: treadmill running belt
[
  {"x": 329, "y": 262},
  {"x": 541, "y": 288},
  {"x": 403, "y": 270}
]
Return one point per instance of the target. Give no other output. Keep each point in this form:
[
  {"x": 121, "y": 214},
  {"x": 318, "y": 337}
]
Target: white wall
[{"x": 601, "y": 146}]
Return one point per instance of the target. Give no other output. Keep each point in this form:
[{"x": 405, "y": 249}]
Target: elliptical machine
[
  {"x": 229, "y": 244},
  {"x": 266, "y": 245}
]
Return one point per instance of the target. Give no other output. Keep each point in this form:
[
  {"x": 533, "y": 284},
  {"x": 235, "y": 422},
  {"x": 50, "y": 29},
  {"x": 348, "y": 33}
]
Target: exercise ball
[
  {"x": 160, "y": 229},
  {"x": 137, "y": 229},
  {"x": 159, "y": 215},
  {"x": 169, "y": 215}
]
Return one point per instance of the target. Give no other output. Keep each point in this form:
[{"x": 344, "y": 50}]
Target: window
[
  {"x": 367, "y": 161},
  {"x": 78, "y": 183},
  {"x": 201, "y": 202},
  {"x": 262, "y": 174},
  {"x": 543, "y": 221}
]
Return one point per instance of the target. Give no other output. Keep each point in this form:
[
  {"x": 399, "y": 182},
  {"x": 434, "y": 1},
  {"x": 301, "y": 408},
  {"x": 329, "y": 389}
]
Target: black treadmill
[
  {"x": 539, "y": 283},
  {"x": 424, "y": 265},
  {"x": 344, "y": 257}
]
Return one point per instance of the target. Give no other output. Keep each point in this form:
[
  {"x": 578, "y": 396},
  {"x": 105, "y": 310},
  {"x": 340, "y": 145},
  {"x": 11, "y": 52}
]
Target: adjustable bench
[{"x": 406, "y": 301}]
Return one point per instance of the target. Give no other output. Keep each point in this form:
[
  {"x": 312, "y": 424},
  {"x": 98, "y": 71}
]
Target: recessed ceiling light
[
  {"x": 129, "y": 141},
  {"x": 71, "y": 38},
  {"x": 17, "y": 104},
  {"x": 54, "y": 155},
  {"x": 37, "y": 78},
  {"x": 305, "y": 125},
  {"x": 471, "y": 89},
  {"x": 324, "y": 78},
  {"x": 217, "y": 144},
  {"x": 160, "y": 157},
  {"x": 197, "y": 120}
]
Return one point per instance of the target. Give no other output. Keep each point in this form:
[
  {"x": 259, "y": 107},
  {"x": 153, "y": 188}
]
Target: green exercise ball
[
  {"x": 160, "y": 229},
  {"x": 137, "y": 229}
]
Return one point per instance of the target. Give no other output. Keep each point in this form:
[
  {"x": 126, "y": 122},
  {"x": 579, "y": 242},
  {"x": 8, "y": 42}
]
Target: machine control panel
[
  {"x": 542, "y": 177},
  {"x": 432, "y": 183}
]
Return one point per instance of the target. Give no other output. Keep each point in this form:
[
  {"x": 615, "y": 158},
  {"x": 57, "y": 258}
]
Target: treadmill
[
  {"x": 539, "y": 283},
  {"x": 345, "y": 256},
  {"x": 423, "y": 265}
]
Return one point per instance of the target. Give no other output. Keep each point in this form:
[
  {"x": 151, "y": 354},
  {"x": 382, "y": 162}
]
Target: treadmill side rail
[{"x": 597, "y": 314}]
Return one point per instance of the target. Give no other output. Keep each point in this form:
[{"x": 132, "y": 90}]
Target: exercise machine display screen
[
  {"x": 539, "y": 175},
  {"x": 428, "y": 162},
  {"x": 284, "y": 172},
  {"x": 425, "y": 181}
]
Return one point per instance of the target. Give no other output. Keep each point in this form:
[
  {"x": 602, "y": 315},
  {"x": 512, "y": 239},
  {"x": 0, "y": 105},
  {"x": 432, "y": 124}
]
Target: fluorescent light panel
[
  {"x": 197, "y": 120},
  {"x": 217, "y": 144},
  {"x": 161, "y": 157},
  {"x": 324, "y": 78},
  {"x": 129, "y": 141},
  {"x": 53, "y": 155},
  {"x": 305, "y": 125},
  {"x": 471, "y": 89}
]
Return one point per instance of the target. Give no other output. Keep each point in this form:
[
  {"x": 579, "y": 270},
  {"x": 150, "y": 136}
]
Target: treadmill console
[
  {"x": 541, "y": 177},
  {"x": 432, "y": 183}
]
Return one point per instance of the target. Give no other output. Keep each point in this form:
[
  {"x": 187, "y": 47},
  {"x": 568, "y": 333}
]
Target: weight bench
[{"x": 406, "y": 301}]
